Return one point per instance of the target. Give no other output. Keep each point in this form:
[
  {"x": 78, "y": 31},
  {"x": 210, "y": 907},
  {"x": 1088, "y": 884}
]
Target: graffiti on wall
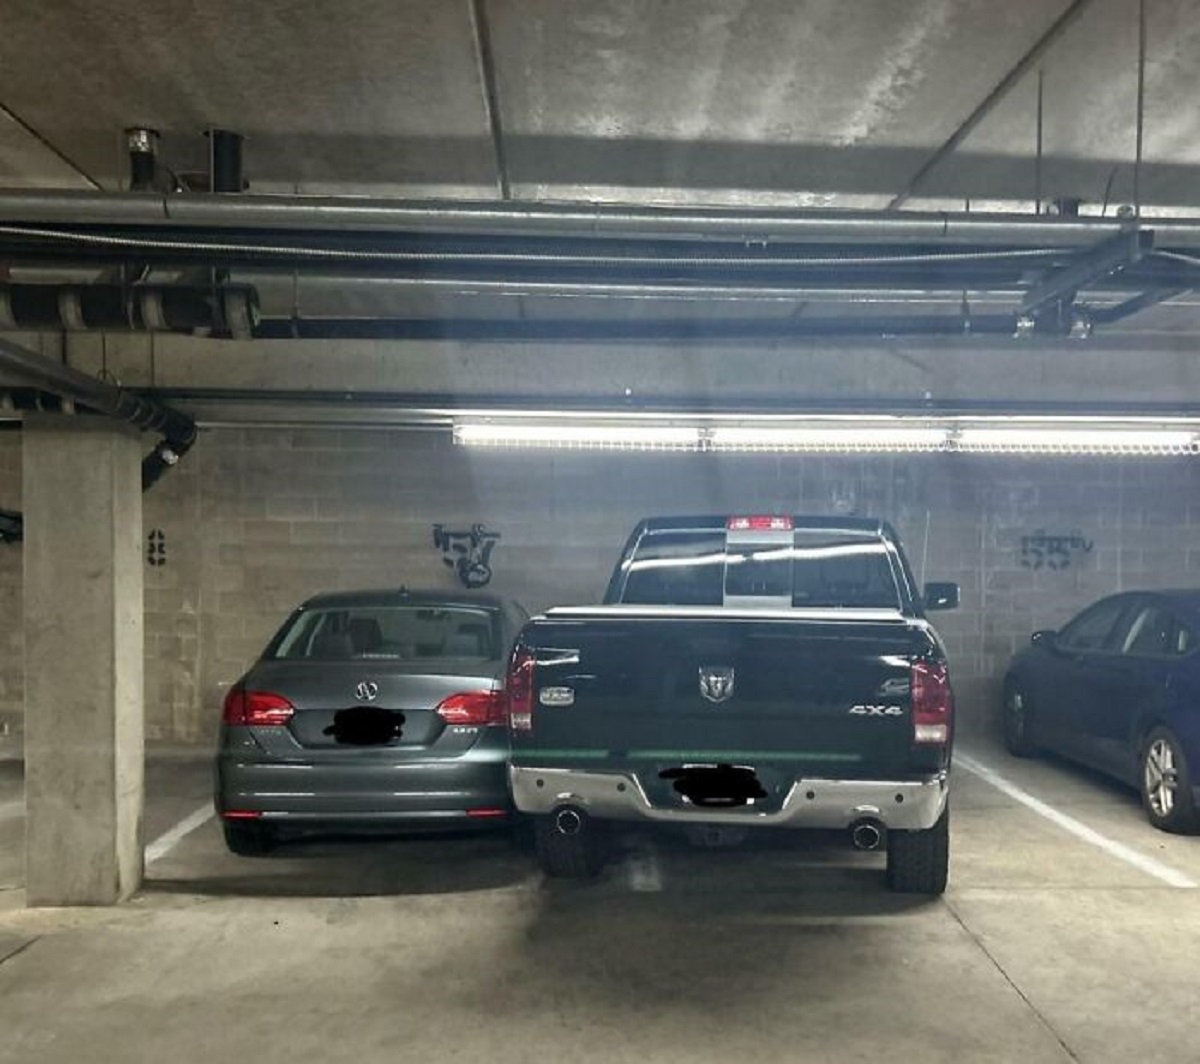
[
  {"x": 156, "y": 548},
  {"x": 1043, "y": 550},
  {"x": 12, "y": 526},
  {"x": 468, "y": 553}
]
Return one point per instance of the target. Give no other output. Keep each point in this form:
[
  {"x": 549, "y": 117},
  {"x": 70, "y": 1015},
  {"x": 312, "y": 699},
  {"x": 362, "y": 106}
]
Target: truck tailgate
[{"x": 804, "y": 695}]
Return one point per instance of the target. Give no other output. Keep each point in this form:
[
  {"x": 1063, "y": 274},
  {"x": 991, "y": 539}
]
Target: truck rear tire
[
  {"x": 918, "y": 861},
  {"x": 577, "y": 856}
]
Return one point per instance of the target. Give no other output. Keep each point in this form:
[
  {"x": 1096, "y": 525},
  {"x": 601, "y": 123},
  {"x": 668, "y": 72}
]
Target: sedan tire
[
  {"x": 1166, "y": 783},
  {"x": 1017, "y": 722},
  {"x": 249, "y": 840}
]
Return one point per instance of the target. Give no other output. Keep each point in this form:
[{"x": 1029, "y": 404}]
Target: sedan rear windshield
[
  {"x": 817, "y": 569},
  {"x": 387, "y": 633}
]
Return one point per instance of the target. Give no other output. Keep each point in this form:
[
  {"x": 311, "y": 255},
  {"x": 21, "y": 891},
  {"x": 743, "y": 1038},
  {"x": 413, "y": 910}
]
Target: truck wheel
[
  {"x": 1166, "y": 783},
  {"x": 249, "y": 840},
  {"x": 918, "y": 861},
  {"x": 1017, "y": 722},
  {"x": 578, "y": 854}
]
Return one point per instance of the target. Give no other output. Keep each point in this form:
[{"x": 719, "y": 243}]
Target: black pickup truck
[{"x": 742, "y": 672}]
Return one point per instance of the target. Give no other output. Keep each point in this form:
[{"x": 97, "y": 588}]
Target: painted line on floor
[
  {"x": 167, "y": 841},
  {"x": 645, "y": 872},
  {"x": 1080, "y": 830}
]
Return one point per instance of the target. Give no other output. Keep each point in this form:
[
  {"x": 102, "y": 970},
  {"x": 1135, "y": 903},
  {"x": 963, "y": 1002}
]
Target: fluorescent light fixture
[
  {"x": 580, "y": 435},
  {"x": 1017, "y": 439},
  {"x": 865, "y": 434},
  {"x": 832, "y": 437}
]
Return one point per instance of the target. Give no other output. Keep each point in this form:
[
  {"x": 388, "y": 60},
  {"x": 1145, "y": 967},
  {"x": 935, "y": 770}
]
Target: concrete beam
[
  {"x": 83, "y": 660},
  {"x": 1162, "y": 369}
]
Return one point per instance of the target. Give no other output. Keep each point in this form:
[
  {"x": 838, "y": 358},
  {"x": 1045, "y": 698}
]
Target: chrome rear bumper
[{"x": 904, "y": 805}]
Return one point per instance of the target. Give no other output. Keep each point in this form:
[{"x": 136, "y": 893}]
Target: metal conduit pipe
[
  {"x": 283, "y": 212},
  {"x": 178, "y": 431}
]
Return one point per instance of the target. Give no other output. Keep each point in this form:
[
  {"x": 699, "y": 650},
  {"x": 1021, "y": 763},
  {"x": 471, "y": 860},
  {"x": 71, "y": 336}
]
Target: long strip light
[
  {"x": 1024, "y": 440},
  {"x": 581, "y": 436},
  {"x": 846, "y": 434},
  {"x": 828, "y": 438}
]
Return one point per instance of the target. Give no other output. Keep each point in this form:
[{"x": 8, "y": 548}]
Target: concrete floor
[{"x": 1047, "y": 947}]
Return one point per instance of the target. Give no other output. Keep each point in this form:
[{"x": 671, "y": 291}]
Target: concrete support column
[{"x": 82, "y": 499}]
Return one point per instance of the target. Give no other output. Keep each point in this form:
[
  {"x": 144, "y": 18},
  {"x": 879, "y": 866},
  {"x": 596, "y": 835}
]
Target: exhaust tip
[
  {"x": 866, "y": 835},
  {"x": 568, "y": 821}
]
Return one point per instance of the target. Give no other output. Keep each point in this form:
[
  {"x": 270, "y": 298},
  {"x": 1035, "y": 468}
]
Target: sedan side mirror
[
  {"x": 941, "y": 596},
  {"x": 1047, "y": 638}
]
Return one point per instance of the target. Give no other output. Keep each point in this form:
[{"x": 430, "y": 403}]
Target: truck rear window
[{"x": 818, "y": 569}]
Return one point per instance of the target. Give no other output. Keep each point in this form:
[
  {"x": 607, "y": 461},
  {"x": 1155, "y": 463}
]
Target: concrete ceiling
[
  {"x": 735, "y": 102},
  {"x": 725, "y": 101}
]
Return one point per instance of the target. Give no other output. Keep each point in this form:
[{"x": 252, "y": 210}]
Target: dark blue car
[{"x": 1118, "y": 688}]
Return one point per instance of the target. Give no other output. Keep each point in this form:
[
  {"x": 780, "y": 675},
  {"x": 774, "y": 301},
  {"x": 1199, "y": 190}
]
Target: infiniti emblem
[
  {"x": 716, "y": 682},
  {"x": 367, "y": 691}
]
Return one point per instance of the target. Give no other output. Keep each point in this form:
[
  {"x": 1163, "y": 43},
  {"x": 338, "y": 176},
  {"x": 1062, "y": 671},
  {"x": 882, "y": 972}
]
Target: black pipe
[
  {"x": 141, "y": 171},
  {"x": 224, "y": 161},
  {"x": 142, "y": 144},
  {"x": 177, "y": 429},
  {"x": 693, "y": 330}
]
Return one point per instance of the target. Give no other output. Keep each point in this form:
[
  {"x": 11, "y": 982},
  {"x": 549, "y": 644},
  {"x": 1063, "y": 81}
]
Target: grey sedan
[{"x": 370, "y": 710}]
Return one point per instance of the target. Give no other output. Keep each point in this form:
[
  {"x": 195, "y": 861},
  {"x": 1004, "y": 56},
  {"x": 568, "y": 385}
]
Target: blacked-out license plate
[{"x": 366, "y": 726}]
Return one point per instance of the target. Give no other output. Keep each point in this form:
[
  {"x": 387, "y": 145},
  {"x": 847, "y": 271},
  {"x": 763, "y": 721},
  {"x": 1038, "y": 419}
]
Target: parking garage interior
[{"x": 300, "y": 298}]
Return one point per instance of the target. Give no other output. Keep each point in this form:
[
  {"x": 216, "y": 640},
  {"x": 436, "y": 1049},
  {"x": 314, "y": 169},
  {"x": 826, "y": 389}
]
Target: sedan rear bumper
[
  {"x": 434, "y": 792},
  {"x": 903, "y": 805}
]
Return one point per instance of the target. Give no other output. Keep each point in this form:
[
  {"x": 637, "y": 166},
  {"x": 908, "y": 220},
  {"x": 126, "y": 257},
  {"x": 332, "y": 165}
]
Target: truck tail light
[
  {"x": 474, "y": 708},
  {"x": 932, "y": 703},
  {"x": 759, "y": 523},
  {"x": 518, "y": 689},
  {"x": 256, "y": 709}
]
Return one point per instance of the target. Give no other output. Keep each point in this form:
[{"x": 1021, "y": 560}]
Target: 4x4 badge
[
  {"x": 716, "y": 682},
  {"x": 876, "y": 711}
]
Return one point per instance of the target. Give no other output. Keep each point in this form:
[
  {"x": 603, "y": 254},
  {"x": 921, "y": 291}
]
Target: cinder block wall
[{"x": 254, "y": 521}]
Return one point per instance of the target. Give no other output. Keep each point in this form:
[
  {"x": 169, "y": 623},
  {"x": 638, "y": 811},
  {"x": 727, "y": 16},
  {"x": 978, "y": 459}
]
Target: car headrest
[
  {"x": 332, "y": 646},
  {"x": 463, "y": 645},
  {"x": 365, "y": 634}
]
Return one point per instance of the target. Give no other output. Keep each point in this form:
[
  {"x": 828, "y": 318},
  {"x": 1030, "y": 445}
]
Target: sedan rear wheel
[
  {"x": 249, "y": 840},
  {"x": 1166, "y": 783}
]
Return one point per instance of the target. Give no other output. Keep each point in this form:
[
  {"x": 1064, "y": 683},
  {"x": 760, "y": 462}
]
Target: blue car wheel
[{"x": 1166, "y": 783}]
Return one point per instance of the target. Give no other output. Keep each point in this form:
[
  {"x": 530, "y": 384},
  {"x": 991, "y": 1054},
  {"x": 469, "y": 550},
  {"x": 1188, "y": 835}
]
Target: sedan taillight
[
  {"x": 473, "y": 708},
  {"x": 256, "y": 709},
  {"x": 932, "y": 703}
]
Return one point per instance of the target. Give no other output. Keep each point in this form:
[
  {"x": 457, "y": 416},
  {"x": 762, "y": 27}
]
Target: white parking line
[
  {"x": 645, "y": 872},
  {"x": 1119, "y": 850},
  {"x": 167, "y": 841}
]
